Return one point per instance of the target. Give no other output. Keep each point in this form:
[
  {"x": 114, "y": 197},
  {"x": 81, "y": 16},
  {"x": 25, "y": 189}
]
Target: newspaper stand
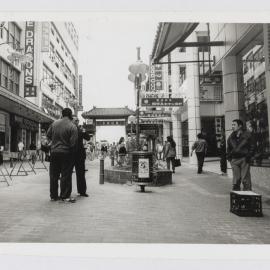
[{"x": 142, "y": 168}]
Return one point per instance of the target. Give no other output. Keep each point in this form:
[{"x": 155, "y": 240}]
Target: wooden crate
[{"x": 246, "y": 203}]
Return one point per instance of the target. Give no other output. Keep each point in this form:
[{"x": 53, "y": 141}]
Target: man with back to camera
[
  {"x": 63, "y": 135},
  {"x": 80, "y": 157},
  {"x": 240, "y": 149}
]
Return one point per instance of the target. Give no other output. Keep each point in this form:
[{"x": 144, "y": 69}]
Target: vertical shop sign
[
  {"x": 156, "y": 83},
  {"x": 80, "y": 107},
  {"x": 29, "y": 88},
  {"x": 45, "y": 40}
]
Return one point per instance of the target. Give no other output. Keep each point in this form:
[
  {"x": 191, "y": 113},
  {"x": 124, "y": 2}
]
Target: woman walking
[
  {"x": 170, "y": 153},
  {"x": 200, "y": 147}
]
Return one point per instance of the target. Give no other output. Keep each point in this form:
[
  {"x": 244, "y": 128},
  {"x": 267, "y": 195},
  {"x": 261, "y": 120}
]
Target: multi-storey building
[
  {"x": 222, "y": 70},
  {"x": 33, "y": 93}
]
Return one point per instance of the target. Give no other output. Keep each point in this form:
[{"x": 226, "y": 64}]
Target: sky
[{"x": 107, "y": 46}]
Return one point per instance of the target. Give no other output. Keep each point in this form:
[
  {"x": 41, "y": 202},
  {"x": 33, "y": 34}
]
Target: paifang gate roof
[{"x": 107, "y": 113}]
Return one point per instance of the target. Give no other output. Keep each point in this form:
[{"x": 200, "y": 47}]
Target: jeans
[{"x": 241, "y": 173}]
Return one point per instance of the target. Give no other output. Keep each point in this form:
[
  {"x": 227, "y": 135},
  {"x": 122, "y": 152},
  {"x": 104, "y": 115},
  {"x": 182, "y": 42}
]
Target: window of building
[
  {"x": 4, "y": 74},
  {"x": 182, "y": 49},
  {"x": 182, "y": 74},
  {"x": 52, "y": 31},
  {"x": 47, "y": 74},
  {"x": 254, "y": 84},
  {"x": 57, "y": 39},
  {"x": 14, "y": 34},
  {"x": 59, "y": 62}
]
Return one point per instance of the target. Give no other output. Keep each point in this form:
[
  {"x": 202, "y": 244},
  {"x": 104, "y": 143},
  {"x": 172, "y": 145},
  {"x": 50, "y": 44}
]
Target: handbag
[{"x": 177, "y": 162}]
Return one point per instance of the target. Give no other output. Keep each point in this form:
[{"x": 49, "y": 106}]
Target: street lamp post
[{"x": 138, "y": 71}]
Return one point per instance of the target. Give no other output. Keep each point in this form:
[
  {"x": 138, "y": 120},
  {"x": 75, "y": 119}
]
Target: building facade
[
  {"x": 221, "y": 71},
  {"x": 39, "y": 77}
]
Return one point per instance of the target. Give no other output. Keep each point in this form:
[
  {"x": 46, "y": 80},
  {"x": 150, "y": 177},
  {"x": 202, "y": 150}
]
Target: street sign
[
  {"x": 162, "y": 102},
  {"x": 154, "y": 114}
]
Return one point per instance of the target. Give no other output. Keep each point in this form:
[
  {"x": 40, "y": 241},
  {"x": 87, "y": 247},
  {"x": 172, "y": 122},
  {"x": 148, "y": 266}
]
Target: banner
[
  {"x": 162, "y": 102},
  {"x": 29, "y": 89}
]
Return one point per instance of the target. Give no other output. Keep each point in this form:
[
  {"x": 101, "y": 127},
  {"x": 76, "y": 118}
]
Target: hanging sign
[{"x": 162, "y": 102}]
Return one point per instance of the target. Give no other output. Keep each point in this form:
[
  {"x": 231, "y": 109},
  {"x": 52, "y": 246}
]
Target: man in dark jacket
[
  {"x": 63, "y": 135},
  {"x": 80, "y": 157},
  {"x": 239, "y": 152}
]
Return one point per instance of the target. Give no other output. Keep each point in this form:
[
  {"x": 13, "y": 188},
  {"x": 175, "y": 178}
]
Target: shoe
[
  {"x": 69, "y": 200},
  {"x": 54, "y": 199},
  {"x": 84, "y": 195}
]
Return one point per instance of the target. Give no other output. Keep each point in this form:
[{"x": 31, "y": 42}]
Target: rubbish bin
[{"x": 142, "y": 168}]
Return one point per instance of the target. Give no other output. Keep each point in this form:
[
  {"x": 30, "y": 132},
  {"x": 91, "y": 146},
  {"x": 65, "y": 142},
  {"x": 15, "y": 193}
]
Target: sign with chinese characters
[
  {"x": 143, "y": 170},
  {"x": 80, "y": 108},
  {"x": 156, "y": 83},
  {"x": 154, "y": 114},
  {"x": 29, "y": 90},
  {"x": 162, "y": 102},
  {"x": 159, "y": 94},
  {"x": 151, "y": 121},
  {"x": 45, "y": 40},
  {"x": 110, "y": 123}
]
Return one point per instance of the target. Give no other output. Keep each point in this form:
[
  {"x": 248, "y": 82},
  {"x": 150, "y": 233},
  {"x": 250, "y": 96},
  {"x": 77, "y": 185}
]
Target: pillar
[
  {"x": 193, "y": 101},
  {"x": 177, "y": 134},
  {"x": 233, "y": 94}
]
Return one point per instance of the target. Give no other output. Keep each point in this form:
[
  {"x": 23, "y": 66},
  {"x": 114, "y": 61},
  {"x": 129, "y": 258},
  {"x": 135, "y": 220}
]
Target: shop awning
[
  {"x": 169, "y": 36},
  {"x": 15, "y": 104}
]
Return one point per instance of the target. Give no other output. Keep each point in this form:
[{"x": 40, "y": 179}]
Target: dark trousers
[
  {"x": 223, "y": 163},
  {"x": 200, "y": 158},
  {"x": 61, "y": 165},
  {"x": 80, "y": 174},
  {"x": 170, "y": 160}
]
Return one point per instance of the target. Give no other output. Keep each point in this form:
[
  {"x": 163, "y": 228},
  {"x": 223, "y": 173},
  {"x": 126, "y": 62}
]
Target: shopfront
[
  {"x": 255, "y": 94},
  {"x": 4, "y": 130}
]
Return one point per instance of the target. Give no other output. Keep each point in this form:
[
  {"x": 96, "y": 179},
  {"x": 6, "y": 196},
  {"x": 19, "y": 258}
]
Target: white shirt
[{"x": 20, "y": 146}]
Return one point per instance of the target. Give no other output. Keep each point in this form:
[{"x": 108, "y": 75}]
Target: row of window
[
  {"x": 11, "y": 34},
  {"x": 9, "y": 77},
  {"x": 253, "y": 60},
  {"x": 72, "y": 32},
  {"x": 255, "y": 86}
]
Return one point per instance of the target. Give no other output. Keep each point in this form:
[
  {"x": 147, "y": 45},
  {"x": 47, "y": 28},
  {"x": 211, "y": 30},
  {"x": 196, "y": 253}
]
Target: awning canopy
[
  {"x": 15, "y": 104},
  {"x": 169, "y": 36}
]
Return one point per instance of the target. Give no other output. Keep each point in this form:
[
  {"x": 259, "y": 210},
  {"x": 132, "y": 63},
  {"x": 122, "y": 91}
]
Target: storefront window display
[{"x": 254, "y": 85}]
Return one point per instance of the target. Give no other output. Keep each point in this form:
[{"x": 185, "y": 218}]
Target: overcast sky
[{"x": 107, "y": 48}]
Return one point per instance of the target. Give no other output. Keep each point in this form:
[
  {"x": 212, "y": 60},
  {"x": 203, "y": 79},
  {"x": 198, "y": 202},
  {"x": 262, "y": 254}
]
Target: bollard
[
  {"x": 112, "y": 161},
  {"x": 101, "y": 173},
  {"x": 11, "y": 162}
]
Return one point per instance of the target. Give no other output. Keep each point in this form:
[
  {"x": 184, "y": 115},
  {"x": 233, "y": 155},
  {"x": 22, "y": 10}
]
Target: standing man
[
  {"x": 63, "y": 135},
  {"x": 20, "y": 149},
  {"x": 80, "y": 157},
  {"x": 239, "y": 151}
]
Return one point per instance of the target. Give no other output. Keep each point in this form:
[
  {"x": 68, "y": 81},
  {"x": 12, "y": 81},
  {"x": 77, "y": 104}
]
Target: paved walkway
[{"x": 195, "y": 209}]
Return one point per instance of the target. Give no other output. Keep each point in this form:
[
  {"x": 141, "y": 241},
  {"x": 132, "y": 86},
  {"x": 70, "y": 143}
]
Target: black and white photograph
[{"x": 129, "y": 130}]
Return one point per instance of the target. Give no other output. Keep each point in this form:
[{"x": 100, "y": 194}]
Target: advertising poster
[{"x": 143, "y": 170}]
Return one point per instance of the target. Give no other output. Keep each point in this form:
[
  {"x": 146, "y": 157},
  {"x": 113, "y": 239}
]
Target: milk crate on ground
[{"x": 246, "y": 203}]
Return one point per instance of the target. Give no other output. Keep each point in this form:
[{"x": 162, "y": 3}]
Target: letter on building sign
[{"x": 29, "y": 88}]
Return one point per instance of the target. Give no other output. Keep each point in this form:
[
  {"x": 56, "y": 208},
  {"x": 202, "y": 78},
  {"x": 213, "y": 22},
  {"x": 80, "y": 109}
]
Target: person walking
[
  {"x": 63, "y": 135},
  {"x": 122, "y": 151},
  {"x": 222, "y": 153},
  {"x": 80, "y": 157},
  {"x": 170, "y": 153},
  {"x": 200, "y": 147},
  {"x": 240, "y": 149}
]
